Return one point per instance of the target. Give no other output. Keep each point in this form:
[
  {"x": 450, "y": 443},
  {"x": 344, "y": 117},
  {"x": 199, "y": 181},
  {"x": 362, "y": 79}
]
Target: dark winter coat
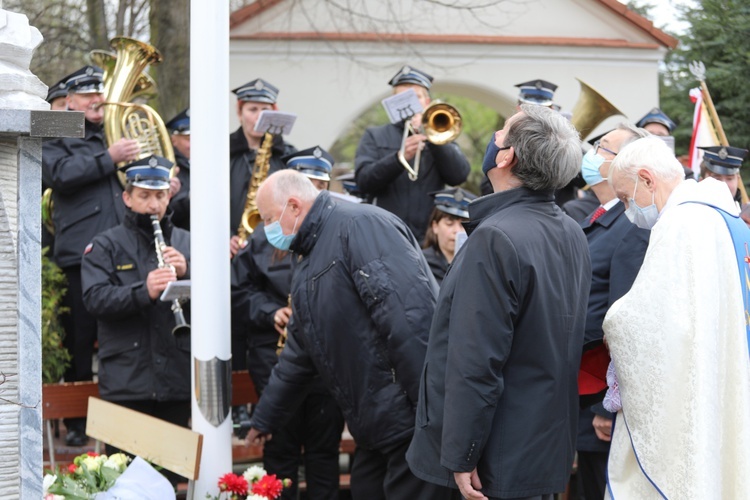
[
  {"x": 499, "y": 387},
  {"x": 87, "y": 194},
  {"x": 617, "y": 249},
  {"x": 241, "y": 163},
  {"x": 180, "y": 203},
  {"x": 437, "y": 261},
  {"x": 139, "y": 358},
  {"x": 363, "y": 297},
  {"x": 386, "y": 182}
]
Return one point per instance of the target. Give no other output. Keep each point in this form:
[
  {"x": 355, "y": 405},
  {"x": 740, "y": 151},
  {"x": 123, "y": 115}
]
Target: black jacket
[
  {"x": 438, "y": 263},
  {"x": 241, "y": 162},
  {"x": 139, "y": 358},
  {"x": 617, "y": 249},
  {"x": 386, "y": 183},
  {"x": 87, "y": 194},
  {"x": 499, "y": 391},
  {"x": 362, "y": 296},
  {"x": 261, "y": 280},
  {"x": 180, "y": 204}
]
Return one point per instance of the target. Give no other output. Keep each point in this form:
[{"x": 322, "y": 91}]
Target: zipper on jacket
[
  {"x": 321, "y": 273},
  {"x": 366, "y": 276}
]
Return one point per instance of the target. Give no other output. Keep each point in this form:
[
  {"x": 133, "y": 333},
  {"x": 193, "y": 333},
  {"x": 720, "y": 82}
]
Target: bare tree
[{"x": 170, "y": 33}]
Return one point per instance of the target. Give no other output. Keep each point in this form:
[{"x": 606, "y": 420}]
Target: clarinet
[{"x": 182, "y": 327}]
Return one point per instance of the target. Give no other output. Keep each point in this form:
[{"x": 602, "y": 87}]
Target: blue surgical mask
[
  {"x": 275, "y": 235},
  {"x": 590, "y": 168},
  {"x": 490, "y": 155},
  {"x": 644, "y": 218}
]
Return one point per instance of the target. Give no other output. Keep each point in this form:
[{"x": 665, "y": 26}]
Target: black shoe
[{"x": 76, "y": 438}]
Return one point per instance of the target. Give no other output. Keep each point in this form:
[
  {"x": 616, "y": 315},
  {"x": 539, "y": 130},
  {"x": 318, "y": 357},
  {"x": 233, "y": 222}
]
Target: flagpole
[
  {"x": 699, "y": 71},
  {"x": 209, "y": 215}
]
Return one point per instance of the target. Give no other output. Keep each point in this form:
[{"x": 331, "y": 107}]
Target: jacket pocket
[
  {"x": 314, "y": 281},
  {"x": 372, "y": 282},
  {"x": 80, "y": 214},
  {"x": 422, "y": 418},
  {"x": 110, "y": 347}
]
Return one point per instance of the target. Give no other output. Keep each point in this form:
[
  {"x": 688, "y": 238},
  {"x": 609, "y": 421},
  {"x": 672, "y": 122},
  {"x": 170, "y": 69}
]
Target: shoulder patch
[
  {"x": 88, "y": 248},
  {"x": 125, "y": 267}
]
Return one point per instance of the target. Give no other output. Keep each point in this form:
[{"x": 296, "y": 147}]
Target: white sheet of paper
[
  {"x": 276, "y": 122},
  {"x": 461, "y": 238},
  {"x": 402, "y": 106},
  {"x": 179, "y": 289},
  {"x": 140, "y": 481}
]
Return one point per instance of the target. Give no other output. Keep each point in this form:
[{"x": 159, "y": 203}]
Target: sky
[{"x": 664, "y": 13}]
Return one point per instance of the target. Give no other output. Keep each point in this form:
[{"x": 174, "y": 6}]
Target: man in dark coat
[
  {"x": 617, "y": 248},
  {"x": 498, "y": 402},
  {"x": 179, "y": 134},
  {"x": 380, "y": 175},
  {"x": 87, "y": 198},
  {"x": 142, "y": 365},
  {"x": 261, "y": 282},
  {"x": 362, "y": 296},
  {"x": 252, "y": 98}
]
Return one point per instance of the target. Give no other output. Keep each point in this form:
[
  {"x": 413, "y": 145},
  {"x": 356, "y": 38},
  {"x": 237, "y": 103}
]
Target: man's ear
[
  {"x": 509, "y": 159},
  {"x": 126, "y": 199},
  {"x": 647, "y": 178}
]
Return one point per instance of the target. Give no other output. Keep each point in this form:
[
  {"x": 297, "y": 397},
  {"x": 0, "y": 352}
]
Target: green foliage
[
  {"x": 479, "y": 122},
  {"x": 717, "y": 35},
  {"x": 55, "y": 358}
]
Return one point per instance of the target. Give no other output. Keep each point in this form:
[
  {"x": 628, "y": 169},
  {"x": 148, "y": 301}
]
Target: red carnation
[
  {"x": 233, "y": 484},
  {"x": 72, "y": 468},
  {"x": 92, "y": 454},
  {"x": 268, "y": 486}
]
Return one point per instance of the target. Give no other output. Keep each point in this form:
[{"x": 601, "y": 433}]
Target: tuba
[
  {"x": 250, "y": 214},
  {"x": 441, "y": 124},
  {"x": 590, "y": 110},
  {"x": 123, "y": 118},
  {"x": 145, "y": 86}
]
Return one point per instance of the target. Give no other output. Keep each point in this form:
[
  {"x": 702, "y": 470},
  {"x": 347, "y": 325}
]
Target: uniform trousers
[
  {"x": 385, "y": 475},
  {"x": 315, "y": 426}
]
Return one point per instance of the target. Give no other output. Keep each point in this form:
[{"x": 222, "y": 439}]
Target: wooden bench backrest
[{"x": 71, "y": 399}]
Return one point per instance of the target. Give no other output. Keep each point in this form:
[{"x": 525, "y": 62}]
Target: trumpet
[
  {"x": 441, "y": 124},
  {"x": 182, "y": 327}
]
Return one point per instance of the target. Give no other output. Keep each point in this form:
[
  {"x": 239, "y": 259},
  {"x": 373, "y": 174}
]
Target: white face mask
[{"x": 644, "y": 218}]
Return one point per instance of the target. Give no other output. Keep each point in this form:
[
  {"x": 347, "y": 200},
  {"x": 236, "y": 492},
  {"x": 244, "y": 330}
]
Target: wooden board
[
  {"x": 170, "y": 446},
  {"x": 69, "y": 400}
]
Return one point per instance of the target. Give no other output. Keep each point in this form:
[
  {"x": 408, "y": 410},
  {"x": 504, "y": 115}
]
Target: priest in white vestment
[{"x": 678, "y": 340}]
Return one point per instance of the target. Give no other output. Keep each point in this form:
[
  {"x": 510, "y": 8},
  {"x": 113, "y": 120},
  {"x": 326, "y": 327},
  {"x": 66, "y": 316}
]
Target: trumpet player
[
  {"x": 87, "y": 199},
  {"x": 381, "y": 176},
  {"x": 142, "y": 366},
  {"x": 252, "y": 98}
]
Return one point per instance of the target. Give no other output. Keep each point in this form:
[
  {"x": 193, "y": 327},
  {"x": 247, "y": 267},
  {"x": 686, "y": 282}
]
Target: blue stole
[{"x": 740, "y": 234}]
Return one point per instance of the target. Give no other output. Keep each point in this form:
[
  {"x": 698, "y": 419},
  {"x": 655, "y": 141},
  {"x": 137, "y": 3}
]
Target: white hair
[
  {"x": 287, "y": 183},
  {"x": 650, "y": 153}
]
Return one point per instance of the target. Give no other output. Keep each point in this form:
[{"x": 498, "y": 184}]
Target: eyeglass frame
[{"x": 598, "y": 146}]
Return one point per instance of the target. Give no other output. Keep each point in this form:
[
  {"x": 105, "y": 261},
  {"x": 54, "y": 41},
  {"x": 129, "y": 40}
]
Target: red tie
[{"x": 597, "y": 213}]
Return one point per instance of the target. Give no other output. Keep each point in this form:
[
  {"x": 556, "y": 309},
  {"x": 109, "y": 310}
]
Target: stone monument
[{"x": 24, "y": 120}]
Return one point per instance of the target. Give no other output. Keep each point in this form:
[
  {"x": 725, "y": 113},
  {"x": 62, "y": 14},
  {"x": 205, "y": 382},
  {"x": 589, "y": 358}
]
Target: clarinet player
[{"x": 142, "y": 365}]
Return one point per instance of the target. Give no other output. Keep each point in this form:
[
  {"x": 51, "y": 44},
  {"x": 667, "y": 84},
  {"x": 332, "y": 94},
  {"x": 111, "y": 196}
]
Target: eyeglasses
[
  {"x": 504, "y": 148},
  {"x": 598, "y": 146}
]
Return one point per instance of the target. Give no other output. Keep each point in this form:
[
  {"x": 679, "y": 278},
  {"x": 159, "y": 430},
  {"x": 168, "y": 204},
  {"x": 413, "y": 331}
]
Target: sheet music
[
  {"x": 179, "y": 289},
  {"x": 276, "y": 122},
  {"x": 401, "y": 106}
]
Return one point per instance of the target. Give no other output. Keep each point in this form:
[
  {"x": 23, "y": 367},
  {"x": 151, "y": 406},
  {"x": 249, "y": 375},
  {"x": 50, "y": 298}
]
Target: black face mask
[{"x": 490, "y": 155}]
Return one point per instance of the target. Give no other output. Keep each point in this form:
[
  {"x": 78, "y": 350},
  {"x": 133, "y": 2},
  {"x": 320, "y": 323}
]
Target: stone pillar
[
  {"x": 23, "y": 123},
  {"x": 21, "y": 133}
]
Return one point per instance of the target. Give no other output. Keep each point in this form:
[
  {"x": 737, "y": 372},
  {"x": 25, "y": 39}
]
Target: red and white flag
[{"x": 704, "y": 133}]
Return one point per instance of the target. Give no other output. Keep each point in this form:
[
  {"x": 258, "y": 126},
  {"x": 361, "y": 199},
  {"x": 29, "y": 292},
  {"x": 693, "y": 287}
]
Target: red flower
[
  {"x": 72, "y": 468},
  {"x": 233, "y": 484},
  {"x": 268, "y": 486},
  {"x": 92, "y": 454}
]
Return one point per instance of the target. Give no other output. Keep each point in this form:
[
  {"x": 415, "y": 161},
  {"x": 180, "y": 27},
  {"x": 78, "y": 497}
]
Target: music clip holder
[
  {"x": 275, "y": 122},
  {"x": 402, "y": 106},
  {"x": 179, "y": 289}
]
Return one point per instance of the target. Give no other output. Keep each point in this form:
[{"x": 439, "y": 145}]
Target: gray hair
[
  {"x": 650, "y": 153},
  {"x": 547, "y": 148},
  {"x": 287, "y": 183},
  {"x": 635, "y": 133}
]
